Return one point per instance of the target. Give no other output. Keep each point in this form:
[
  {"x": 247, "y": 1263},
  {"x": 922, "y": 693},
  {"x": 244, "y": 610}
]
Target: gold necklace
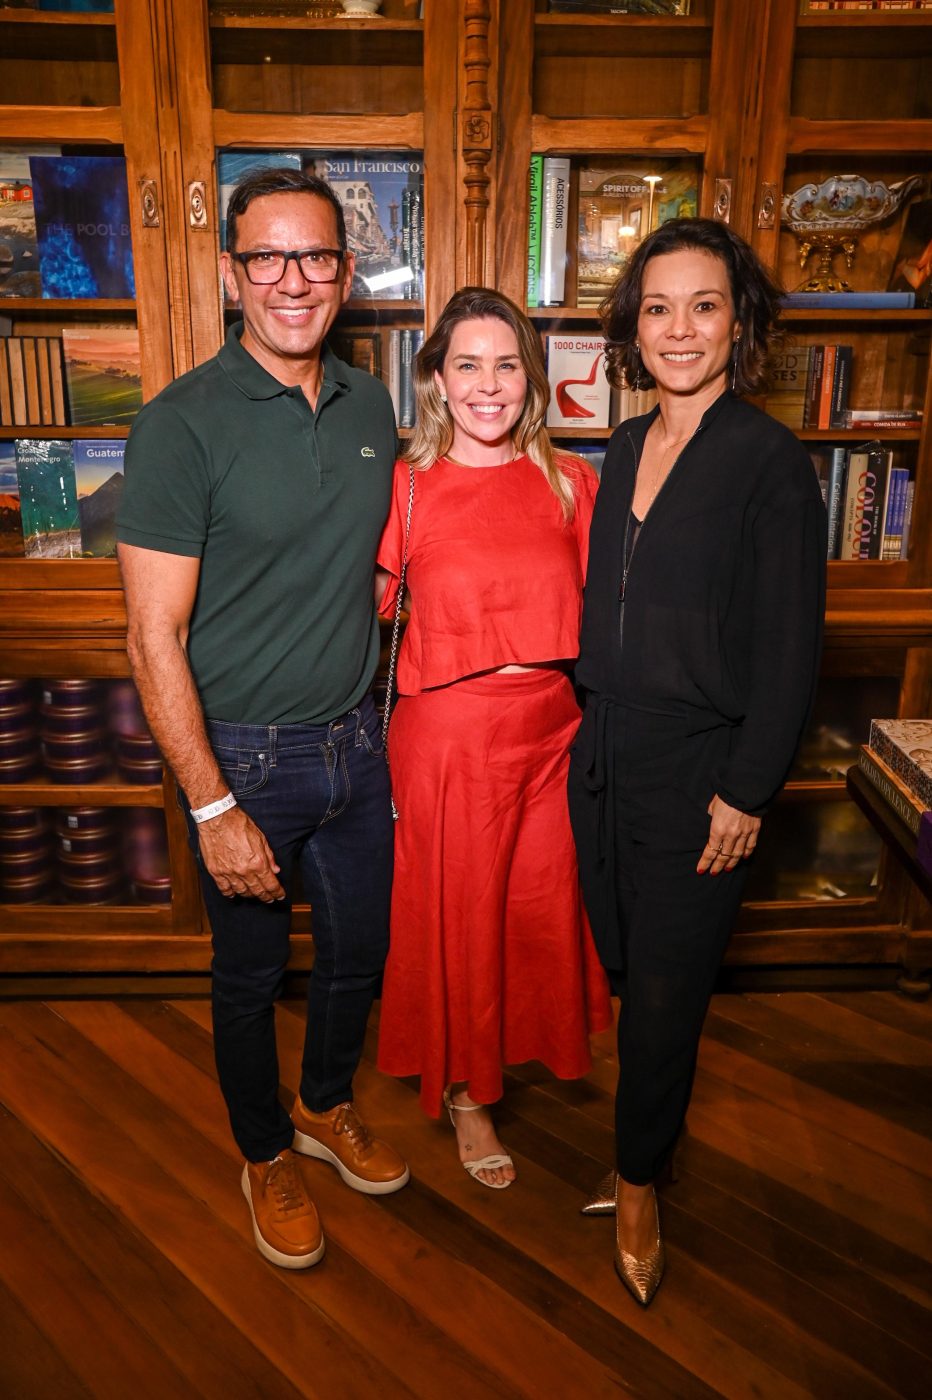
[{"x": 664, "y": 469}]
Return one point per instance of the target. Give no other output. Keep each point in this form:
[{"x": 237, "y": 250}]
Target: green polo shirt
[{"x": 284, "y": 507}]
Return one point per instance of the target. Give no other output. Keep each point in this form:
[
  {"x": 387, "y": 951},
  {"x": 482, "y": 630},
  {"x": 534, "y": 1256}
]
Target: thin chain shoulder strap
[{"x": 396, "y": 628}]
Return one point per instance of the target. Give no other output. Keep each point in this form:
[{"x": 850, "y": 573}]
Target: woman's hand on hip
[{"x": 732, "y": 837}]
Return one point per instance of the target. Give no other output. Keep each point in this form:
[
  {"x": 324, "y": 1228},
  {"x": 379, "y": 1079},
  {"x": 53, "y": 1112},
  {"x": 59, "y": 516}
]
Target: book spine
[
  {"x": 825, "y": 388},
  {"x": 554, "y": 212},
  {"x": 394, "y": 371},
  {"x": 6, "y": 397},
  {"x": 835, "y": 494},
  {"x": 905, "y": 768},
  {"x": 814, "y": 386},
  {"x": 896, "y": 508},
  {"x": 417, "y": 244},
  {"x": 17, "y": 380},
  {"x": 57, "y": 376},
  {"x": 31, "y": 377},
  {"x": 875, "y": 496},
  {"x": 407, "y": 290},
  {"x": 892, "y": 420},
  {"x": 849, "y": 546},
  {"x": 877, "y": 774},
  {"x": 46, "y": 408},
  {"x": 406, "y": 383},
  {"x": 535, "y": 196},
  {"x": 907, "y": 518},
  {"x": 841, "y": 385}
]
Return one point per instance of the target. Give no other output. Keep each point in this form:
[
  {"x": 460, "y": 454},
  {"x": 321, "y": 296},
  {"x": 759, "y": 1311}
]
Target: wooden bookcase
[{"x": 758, "y": 96}]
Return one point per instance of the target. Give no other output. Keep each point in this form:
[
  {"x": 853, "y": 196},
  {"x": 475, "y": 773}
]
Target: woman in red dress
[{"x": 491, "y": 958}]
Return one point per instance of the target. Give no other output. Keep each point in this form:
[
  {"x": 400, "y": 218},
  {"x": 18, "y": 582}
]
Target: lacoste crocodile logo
[{"x": 367, "y": 452}]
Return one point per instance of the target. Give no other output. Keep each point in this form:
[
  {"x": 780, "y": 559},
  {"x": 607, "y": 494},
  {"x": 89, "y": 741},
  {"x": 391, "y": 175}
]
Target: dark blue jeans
[{"x": 320, "y": 795}]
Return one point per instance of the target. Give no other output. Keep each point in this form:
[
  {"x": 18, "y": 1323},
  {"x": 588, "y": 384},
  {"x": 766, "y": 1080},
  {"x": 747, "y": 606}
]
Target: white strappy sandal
[{"x": 495, "y": 1162}]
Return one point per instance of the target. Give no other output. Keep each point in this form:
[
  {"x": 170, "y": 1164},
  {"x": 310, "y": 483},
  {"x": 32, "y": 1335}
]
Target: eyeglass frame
[{"x": 293, "y": 255}]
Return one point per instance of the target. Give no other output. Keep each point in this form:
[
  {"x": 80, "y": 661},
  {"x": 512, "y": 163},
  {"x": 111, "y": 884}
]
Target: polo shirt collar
[{"x": 255, "y": 382}]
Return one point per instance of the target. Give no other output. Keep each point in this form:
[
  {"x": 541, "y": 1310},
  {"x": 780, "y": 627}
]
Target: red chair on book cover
[{"x": 567, "y": 405}]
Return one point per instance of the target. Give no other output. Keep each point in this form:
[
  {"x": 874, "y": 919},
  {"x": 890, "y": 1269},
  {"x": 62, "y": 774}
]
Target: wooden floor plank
[
  {"x": 211, "y": 1354},
  {"x": 902, "y": 1093},
  {"x": 30, "y": 1363},
  {"x": 799, "y": 1234},
  {"x": 525, "y": 1348}
]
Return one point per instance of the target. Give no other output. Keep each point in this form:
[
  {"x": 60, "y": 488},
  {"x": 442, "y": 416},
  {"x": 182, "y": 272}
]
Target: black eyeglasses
[{"x": 268, "y": 265}]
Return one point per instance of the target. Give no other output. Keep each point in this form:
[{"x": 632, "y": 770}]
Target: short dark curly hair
[
  {"x": 755, "y": 293},
  {"x": 273, "y": 179}
]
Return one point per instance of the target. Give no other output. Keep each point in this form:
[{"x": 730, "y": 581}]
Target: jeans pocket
[
  {"x": 246, "y": 770},
  {"x": 372, "y": 741}
]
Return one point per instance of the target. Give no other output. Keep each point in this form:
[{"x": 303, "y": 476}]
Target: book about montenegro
[
  {"x": 48, "y": 499},
  {"x": 82, "y": 226}
]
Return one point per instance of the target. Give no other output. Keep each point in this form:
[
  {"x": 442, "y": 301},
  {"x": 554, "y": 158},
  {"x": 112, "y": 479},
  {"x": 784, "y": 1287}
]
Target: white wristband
[{"x": 213, "y": 809}]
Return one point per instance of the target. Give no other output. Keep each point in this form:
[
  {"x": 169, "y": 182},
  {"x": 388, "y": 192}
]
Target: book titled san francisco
[
  {"x": 103, "y": 374},
  {"x": 11, "y": 518},
  {"x": 382, "y": 197},
  {"x": 98, "y": 472},
  {"x": 48, "y": 499},
  {"x": 82, "y": 226}
]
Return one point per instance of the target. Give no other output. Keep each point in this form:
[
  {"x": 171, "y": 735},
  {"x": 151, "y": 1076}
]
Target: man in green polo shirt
[{"x": 256, "y": 490}]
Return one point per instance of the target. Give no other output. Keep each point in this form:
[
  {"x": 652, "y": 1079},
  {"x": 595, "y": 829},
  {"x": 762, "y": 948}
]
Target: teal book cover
[{"x": 48, "y": 499}]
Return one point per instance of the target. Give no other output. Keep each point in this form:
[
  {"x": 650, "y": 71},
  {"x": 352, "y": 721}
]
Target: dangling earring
[
  {"x": 734, "y": 365},
  {"x": 637, "y": 373}
]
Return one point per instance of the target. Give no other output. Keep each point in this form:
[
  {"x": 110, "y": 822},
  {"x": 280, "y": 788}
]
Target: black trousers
[{"x": 639, "y": 789}]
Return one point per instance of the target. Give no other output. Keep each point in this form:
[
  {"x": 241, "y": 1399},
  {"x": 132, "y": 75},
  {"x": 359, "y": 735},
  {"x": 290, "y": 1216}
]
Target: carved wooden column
[{"x": 476, "y": 138}]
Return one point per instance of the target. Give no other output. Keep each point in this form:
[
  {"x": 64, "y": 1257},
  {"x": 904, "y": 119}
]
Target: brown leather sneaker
[
  {"x": 284, "y": 1218},
  {"x": 341, "y": 1138}
]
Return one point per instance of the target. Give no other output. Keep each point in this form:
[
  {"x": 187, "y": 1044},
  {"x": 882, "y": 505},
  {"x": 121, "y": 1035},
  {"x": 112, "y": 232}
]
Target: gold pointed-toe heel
[
  {"x": 641, "y": 1277},
  {"x": 602, "y": 1199}
]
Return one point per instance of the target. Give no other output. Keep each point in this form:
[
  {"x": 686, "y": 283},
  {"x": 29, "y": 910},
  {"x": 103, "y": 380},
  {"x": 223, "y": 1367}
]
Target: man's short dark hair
[{"x": 279, "y": 180}]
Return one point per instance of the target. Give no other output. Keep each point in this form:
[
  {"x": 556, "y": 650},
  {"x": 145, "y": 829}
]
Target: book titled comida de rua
[
  {"x": 579, "y": 390},
  {"x": 905, "y": 745},
  {"x": 82, "y": 226},
  {"x": 103, "y": 374}
]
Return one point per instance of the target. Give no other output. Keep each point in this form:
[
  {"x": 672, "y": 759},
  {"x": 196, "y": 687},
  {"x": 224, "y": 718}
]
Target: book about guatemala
[
  {"x": 98, "y": 474},
  {"x": 82, "y": 226},
  {"x": 382, "y": 196}
]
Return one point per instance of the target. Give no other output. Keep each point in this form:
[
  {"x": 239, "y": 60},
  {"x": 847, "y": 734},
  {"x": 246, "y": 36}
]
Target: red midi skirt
[{"x": 491, "y": 959}]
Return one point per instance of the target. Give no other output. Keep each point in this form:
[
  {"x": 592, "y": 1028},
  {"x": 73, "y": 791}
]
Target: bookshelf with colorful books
[
  {"x": 727, "y": 108},
  {"x": 92, "y": 854}
]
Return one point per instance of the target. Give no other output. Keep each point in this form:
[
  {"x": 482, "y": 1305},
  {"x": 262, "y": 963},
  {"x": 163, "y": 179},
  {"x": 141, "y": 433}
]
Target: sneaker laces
[
  {"x": 283, "y": 1180},
  {"x": 348, "y": 1121}
]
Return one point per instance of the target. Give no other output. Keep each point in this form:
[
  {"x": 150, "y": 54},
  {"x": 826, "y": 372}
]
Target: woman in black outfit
[{"x": 699, "y": 652}]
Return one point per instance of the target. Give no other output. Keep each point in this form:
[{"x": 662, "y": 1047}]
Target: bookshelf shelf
[
  {"x": 866, "y": 430},
  {"x": 57, "y": 306},
  {"x": 870, "y": 316},
  {"x": 282, "y": 130},
  {"x": 806, "y": 136},
  {"x": 55, "y": 20},
  {"x": 598, "y": 135},
  {"x": 653, "y": 23},
  {"x": 41, "y": 793},
  {"x": 51, "y": 430},
  {"x": 303, "y": 24},
  {"x": 62, "y": 124}
]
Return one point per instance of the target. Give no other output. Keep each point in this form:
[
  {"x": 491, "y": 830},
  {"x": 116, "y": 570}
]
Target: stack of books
[
  {"x": 869, "y": 501},
  {"x": 897, "y": 760},
  {"x": 809, "y": 386}
]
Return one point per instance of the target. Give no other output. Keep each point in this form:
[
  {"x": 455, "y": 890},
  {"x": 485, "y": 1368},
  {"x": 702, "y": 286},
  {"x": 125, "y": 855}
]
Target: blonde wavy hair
[{"x": 433, "y": 434}]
